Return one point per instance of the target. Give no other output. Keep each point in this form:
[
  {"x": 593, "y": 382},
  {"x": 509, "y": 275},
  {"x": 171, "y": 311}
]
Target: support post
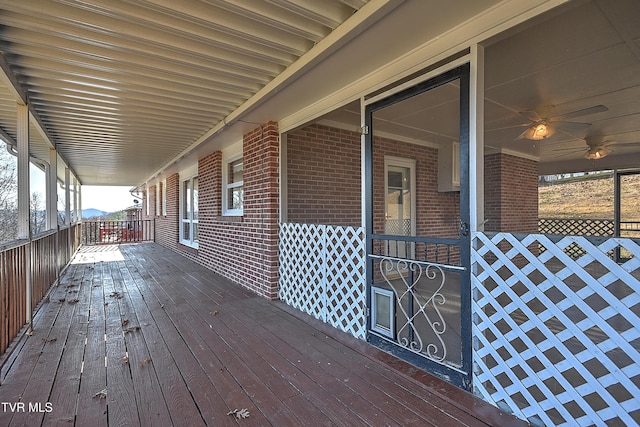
[
  {"x": 476, "y": 138},
  {"x": 52, "y": 193},
  {"x": 67, "y": 208},
  {"x": 24, "y": 199}
]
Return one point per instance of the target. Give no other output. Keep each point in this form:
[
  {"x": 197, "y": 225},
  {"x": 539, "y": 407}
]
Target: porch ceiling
[
  {"x": 122, "y": 87},
  {"x": 577, "y": 56}
]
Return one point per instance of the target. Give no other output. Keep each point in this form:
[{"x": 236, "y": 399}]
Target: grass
[{"x": 589, "y": 197}]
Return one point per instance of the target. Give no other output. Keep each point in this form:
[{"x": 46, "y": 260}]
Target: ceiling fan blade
[
  {"x": 570, "y": 153},
  {"x": 570, "y": 125},
  {"x": 508, "y": 127},
  {"x": 523, "y": 134},
  {"x": 573, "y": 149},
  {"x": 622, "y": 144},
  {"x": 531, "y": 115},
  {"x": 584, "y": 112}
]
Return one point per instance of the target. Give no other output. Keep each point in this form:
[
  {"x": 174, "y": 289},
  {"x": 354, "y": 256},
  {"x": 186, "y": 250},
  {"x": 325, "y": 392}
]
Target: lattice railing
[
  {"x": 576, "y": 226},
  {"x": 322, "y": 273},
  {"x": 557, "y": 340}
]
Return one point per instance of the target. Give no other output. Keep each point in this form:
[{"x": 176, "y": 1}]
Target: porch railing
[
  {"x": 587, "y": 227},
  {"x": 557, "y": 337},
  {"x": 49, "y": 253},
  {"x": 112, "y": 232}
]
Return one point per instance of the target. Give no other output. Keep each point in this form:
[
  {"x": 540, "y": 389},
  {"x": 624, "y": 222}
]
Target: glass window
[
  {"x": 164, "y": 197},
  {"x": 189, "y": 212},
  {"x": 234, "y": 188}
]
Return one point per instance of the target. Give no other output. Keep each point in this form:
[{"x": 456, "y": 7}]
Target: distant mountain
[{"x": 91, "y": 213}]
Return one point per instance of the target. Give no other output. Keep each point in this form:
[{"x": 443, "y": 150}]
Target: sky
[
  {"x": 108, "y": 199},
  {"x": 104, "y": 198}
]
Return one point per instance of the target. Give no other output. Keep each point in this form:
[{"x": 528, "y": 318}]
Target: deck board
[{"x": 183, "y": 346}]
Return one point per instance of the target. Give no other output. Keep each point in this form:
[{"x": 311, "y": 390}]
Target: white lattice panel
[
  {"x": 322, "y": 273},
  {"x": 345, "y": 283},
  {"x": 302, "y": 252},
  {"x": 557, "y": 339}
]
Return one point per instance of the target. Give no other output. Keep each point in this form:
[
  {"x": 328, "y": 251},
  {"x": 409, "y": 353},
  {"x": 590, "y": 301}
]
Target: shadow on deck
[{"x": 137, "y": 335}]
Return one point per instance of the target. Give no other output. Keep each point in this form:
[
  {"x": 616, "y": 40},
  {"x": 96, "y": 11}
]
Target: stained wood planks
[{"x": 171, "y": 343}]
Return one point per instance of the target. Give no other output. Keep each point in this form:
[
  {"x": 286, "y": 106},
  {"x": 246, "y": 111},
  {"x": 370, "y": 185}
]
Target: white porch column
[
  {"x": 476, "y": 138},
  {"x": 24, "y": 199},
  {"x": 74, "y": 209},
  {"x": 52, "y": 190},
  {"x": 23, "y": 173},
  {"x": 67, "y": 196}
]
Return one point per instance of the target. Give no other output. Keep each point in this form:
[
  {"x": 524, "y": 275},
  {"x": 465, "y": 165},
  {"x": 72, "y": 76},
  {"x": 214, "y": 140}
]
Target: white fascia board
[{"x": 493, "y": 21}]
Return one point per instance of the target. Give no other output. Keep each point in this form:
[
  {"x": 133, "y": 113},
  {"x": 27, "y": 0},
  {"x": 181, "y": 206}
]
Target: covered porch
[{"x": 134, "y": 334}]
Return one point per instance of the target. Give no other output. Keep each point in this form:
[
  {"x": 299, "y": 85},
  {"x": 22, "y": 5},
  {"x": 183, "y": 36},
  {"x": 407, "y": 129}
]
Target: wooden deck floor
[{"x": 137, "y": 335}]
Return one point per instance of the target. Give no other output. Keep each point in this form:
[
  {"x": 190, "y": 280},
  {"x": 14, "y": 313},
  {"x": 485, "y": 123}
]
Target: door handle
[{"x": 464, "y": 229}]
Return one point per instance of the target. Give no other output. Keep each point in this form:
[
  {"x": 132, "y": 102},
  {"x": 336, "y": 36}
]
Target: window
[
  {"x": 148, "y": 201},
  {"x": 158, "y": 199},
  {"x": 233, "y": 182},
  {"x": 189, "y": 212},
  {"x": 164, "y": 197}
]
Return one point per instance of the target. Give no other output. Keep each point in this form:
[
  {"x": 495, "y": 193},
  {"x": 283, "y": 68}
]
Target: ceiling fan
[
  {"x": 542, "y": 123},
  {"x": 598, "y": 147}
]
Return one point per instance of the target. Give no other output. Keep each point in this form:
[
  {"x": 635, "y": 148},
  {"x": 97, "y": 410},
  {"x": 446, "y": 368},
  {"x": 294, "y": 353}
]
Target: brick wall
[
  {"x": 323, "y": 181},
  {"x": 437, "y": 214},
  {"x": 167, "y": 226},
  {"x": 323, "y": 176},
  {"x": 511, "y": 194},
  {"x": 242, "y": 249}
]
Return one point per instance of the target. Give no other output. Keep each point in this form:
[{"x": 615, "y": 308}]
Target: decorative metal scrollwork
[{"x": 404, "y": 277}]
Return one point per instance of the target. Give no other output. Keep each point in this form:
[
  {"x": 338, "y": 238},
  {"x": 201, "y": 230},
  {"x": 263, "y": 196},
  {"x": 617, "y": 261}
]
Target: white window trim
[
  {"x": 148, "y": 208},
  {"x": 191, "y": 242},
  {"x": 230, "y": 155},
  {"x": 157, "y": 199},
  {"x": 164, "y": 197}
]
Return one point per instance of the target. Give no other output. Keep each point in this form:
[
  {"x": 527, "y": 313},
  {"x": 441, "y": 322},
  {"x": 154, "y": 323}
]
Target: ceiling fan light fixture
[
  {"x": 539, "y": 131},
  {"x": 595, "y": 153}
]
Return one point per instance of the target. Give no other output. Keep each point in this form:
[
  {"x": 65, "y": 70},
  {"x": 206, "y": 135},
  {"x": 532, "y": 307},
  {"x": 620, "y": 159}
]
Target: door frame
[{"x": 461, "y": 377}]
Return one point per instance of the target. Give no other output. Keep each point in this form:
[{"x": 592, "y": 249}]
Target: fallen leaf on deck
[
  {"x": 132, "y": 329},
  {"x": 102, "y": 394},
  {"x": 125, "y": 322},
  {"x": 214, "y": 312},
  {"x": 125, "y": 359},
  {"x": 73, "y": 301},
  {"x": 239, "y": 413},
  {"x": 144, "y": 361},
  {"x": 62, "y": 300}
]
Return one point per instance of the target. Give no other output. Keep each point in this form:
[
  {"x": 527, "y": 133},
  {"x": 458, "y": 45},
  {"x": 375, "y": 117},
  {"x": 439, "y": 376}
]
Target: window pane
[
  {"x": 235, "y": 171},
  {"x": 195, "y": 199},
  {"x": 186, "y": 230},
  {"x": 236, "y": 196},
  {"x": 383, "y": 311},
  {"x": 186, "y": 195},
  {"x": 195, "y": 231}
]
